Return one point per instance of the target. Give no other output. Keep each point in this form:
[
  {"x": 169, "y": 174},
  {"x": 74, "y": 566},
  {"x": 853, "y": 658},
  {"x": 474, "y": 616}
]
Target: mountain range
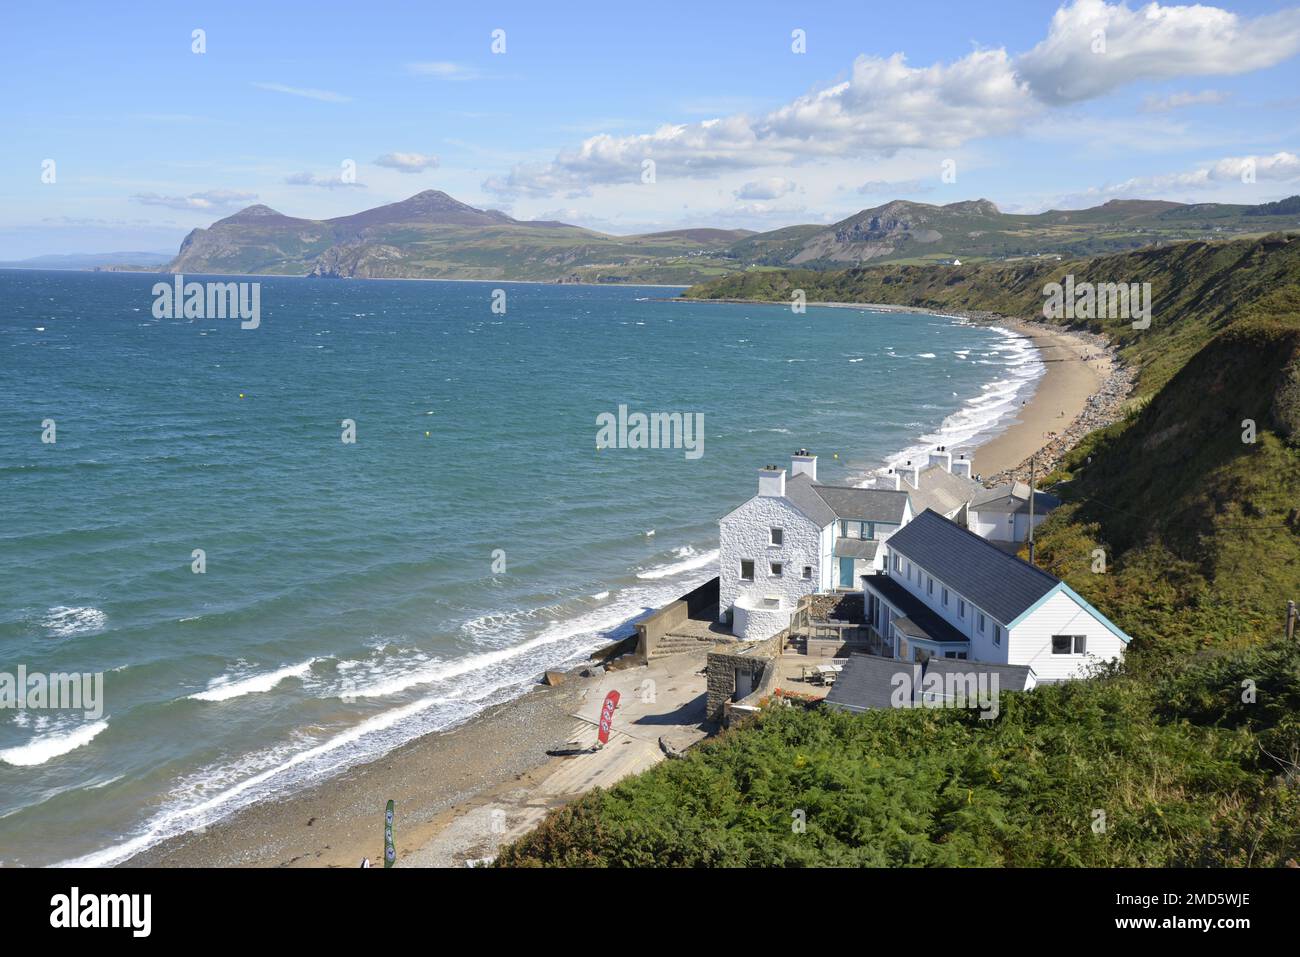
[{"x": 433, "y": 236}]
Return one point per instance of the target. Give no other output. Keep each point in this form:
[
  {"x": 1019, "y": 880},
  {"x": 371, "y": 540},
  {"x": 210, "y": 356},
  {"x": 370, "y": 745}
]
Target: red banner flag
[{"x": 607, "y": 716}]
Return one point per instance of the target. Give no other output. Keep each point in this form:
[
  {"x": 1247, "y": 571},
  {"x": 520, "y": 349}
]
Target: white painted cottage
[
  {"x": 797, "y": 537},
  {"x": 946, "y": 592},
  {"x": 944, "y": 484},
  {"x": 1002, "y": 513}
]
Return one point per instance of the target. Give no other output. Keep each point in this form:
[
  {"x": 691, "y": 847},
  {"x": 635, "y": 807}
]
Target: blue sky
[{"x": 1033, "y": 105}]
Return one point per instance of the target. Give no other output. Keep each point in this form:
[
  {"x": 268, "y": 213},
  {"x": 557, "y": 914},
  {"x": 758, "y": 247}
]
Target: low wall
[
  {"x": 754, "y": 624},
  {"x": 691, "y": 605}
]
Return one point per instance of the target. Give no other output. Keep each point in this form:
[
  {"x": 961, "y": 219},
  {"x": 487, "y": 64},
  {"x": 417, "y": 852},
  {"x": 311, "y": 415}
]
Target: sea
[{"x": 269, "y": 604}]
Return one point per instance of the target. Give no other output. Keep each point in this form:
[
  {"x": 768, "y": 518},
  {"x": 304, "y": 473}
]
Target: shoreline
[{"x": 463, "y": 791}]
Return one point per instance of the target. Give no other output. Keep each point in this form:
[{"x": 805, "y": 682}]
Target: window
[
  {"x": 1069, "y": 644},
  {"x": 945, "y": 598},
  {"x": 807, "y": 573},
  {"x": 961, "y": 607},
  {"x": 898, "y": 563},
  {"x": 997, "y": 634},
  {"x": 929, "y": 584},
  {"x": 778, "y": 536},
  {"x": 746, "y": 570},
  {"x": 777, "y": 568},
  {"x": 981, "y": 615},
  {"x": 909, "y": 571}
]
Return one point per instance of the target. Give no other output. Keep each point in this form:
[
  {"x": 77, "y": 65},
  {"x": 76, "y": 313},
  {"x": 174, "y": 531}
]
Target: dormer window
[{"x": 777, "y": 536}]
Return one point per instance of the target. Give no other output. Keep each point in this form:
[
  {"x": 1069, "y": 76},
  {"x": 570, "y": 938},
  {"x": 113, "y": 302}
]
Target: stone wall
[
  {"x": 758, "y": 659},
  {"x": 694, "y": 604}
]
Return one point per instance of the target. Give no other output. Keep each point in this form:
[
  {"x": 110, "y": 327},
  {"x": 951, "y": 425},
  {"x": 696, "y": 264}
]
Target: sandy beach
[{"x": 461, "y": 793}]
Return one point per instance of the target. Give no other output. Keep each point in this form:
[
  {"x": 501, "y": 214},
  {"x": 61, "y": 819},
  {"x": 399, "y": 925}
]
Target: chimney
[
  {"x": 771, "y": 482},
  {"x": 804, "y": 464},
  {"x": 962, "y": 466},
  {"x": 941, "y": 456},
  {"x": 912, "y": 474}
]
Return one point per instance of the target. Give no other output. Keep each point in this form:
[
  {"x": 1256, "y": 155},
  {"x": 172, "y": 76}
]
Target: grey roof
[
  {"x": 864, "y": 504},
  {"x": 1010, "y": 677},
  {"x": 866, "y": 682},
  {"x": 863, "y": 548},
  {"x": 918, "y": 620},
  {"x": 800, "y": 491},
  {"x": 1000, "y": 584},
  {"x": 942, "y": 491},
  {"x": 1013, "y": 497}
]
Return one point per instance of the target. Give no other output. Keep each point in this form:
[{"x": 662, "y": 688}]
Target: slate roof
[
  {"x": 863, "y": 548},
  {"x": 863, "y": 504},
  {"x": 918, "y": 620},
  {"x": 941, "y": 490},
  {"x": 1001, "y": 585},
  {"x": 868, "y": 681},
  {"x": 1013, "y": 497},
  {"x": 800, "y": 491},
  {"x": 1010, "y": 677}
]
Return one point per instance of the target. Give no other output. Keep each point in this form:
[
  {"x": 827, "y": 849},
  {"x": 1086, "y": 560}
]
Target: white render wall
[
  {"x": 981, "y": 645},
  {"x": 744, "y": 534},
  {"x": 995, "y": 526},
  {"x": 1031, "y": 640}
]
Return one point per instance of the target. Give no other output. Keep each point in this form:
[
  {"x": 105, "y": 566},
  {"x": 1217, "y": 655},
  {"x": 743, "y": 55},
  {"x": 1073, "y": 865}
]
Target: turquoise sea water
[{"x": 350, "y": 600}]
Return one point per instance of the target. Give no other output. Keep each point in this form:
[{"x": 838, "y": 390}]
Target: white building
[
  {"x": 1001, "y": 514},
  {"x": 943, "y": 484},
  {"x": 797, "y": 537},
  {"x": 947, "y": 593}
]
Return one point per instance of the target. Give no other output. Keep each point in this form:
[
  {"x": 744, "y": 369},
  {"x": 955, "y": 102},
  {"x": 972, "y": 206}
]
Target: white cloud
[
  {"x": 333, "y": 181},
  {"x": 207, "y": 200},
  {"x": 883, "y": 187},
  {"x": 1154, "y": 43},
  {"x": 885, "y": 105},
  {"x": 443, "y": 70},
  {"x": 324, "y": 96},
  {"x": 408, "y": 162},
  {"x": 1281, "y": 167},
  {"x": 771, "y": 187},
  {"x": 1176, "y": 101}
]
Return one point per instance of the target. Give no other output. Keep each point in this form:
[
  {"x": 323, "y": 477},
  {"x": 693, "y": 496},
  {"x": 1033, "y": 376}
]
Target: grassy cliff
[
  {"x": 1197, "y": 288},
  {"x": 1189, "y": 752}
]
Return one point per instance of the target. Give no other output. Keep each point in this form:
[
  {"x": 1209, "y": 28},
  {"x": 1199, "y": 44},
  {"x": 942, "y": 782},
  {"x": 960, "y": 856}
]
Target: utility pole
[
  {"x": 1290, "y": 620},
  {"x": 1032, "y": 461}
]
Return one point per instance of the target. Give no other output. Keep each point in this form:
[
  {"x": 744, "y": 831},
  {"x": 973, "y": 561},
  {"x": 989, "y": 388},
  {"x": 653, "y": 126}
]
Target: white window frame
[
  {"x": 776, "y": 537},
  {"x": 752, "y": 569}
]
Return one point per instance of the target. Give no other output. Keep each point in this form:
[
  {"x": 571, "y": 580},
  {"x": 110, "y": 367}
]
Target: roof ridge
[{"x": 987, "y": 544}]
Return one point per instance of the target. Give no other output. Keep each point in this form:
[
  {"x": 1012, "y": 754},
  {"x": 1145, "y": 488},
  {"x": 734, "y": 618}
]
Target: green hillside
[
  {"x": 1196, "y": 289},
  {"x": 433, "y": 236},
  {"x": 1190, "y": 749}
]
